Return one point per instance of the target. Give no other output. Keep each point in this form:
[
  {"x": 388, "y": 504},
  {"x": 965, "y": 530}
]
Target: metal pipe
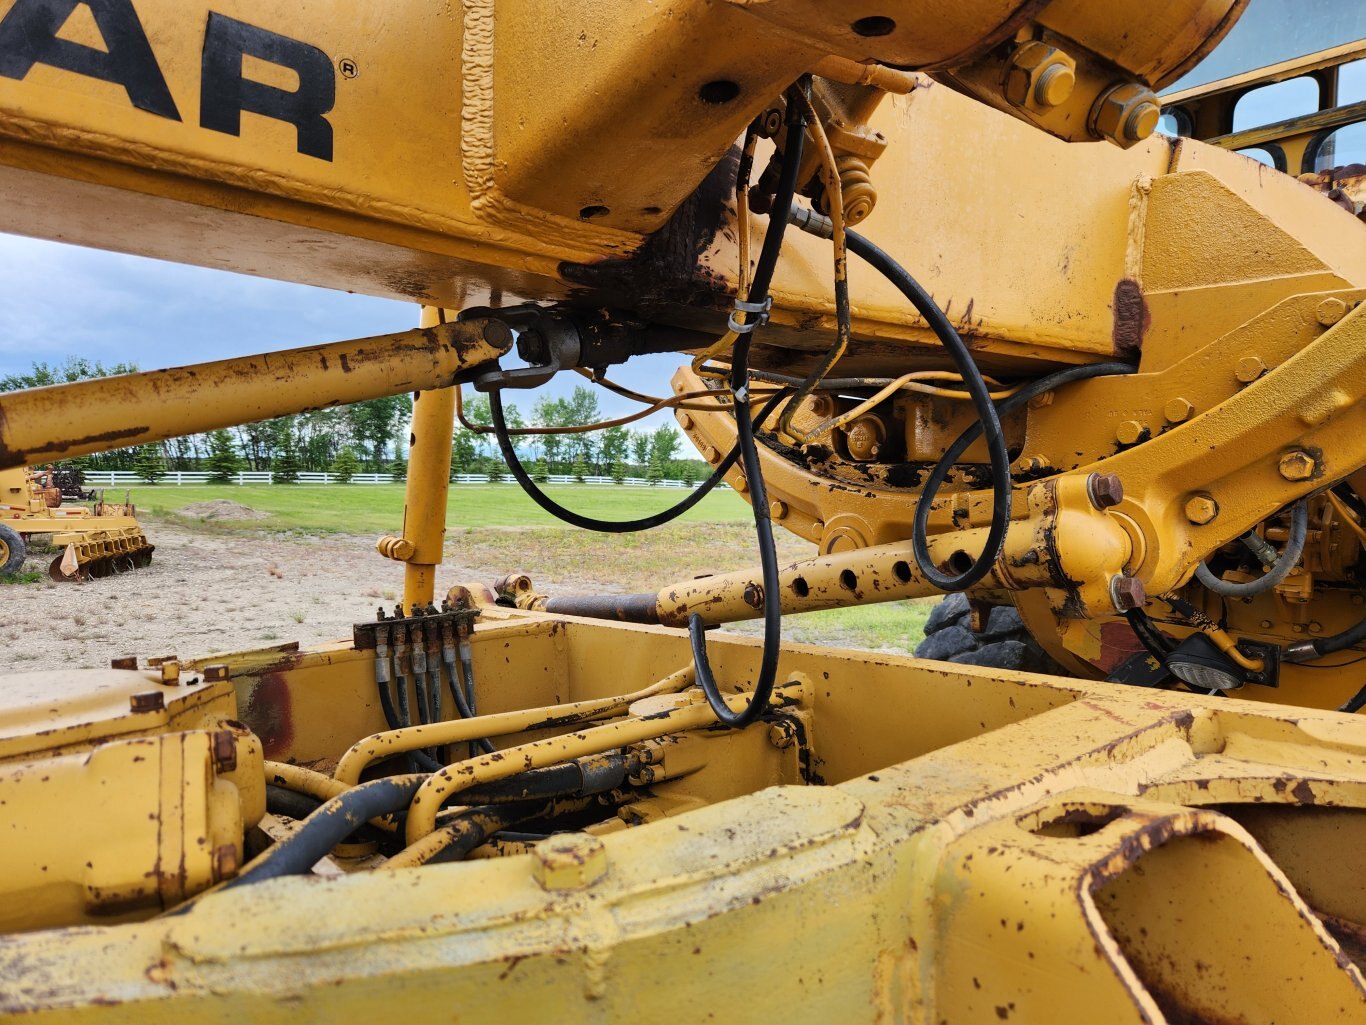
[
  {"x": 459, "y": 731},
  {"x": 65, "y": 420},
  {"x": 428, "y": 484},
  {"x": 446, "y": 784}
]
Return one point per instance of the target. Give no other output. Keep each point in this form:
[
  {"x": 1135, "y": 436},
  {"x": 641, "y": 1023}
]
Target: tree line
[{"x": 372, "y": 436}]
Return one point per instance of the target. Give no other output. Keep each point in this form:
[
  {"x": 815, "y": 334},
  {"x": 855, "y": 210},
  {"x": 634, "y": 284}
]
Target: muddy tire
[
  {"x": 12, "y": 550},
  {"x": 1004, "y": 644}
]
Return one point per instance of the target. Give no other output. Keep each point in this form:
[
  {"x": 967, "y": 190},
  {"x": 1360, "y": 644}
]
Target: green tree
[
  {"x": 398, "y": 469},
  {"x": 655, "y": 473},
  {"x": 539, "y": 473},
  {"x": 640, "y": 447},
  {"x": 149, "y": 464},
  {"x": 373, "y": 422},
  {"x": 223, "y": 462},
  {"x": 580, "y": 470},
  {"x": 346, "y": 465},
  {"x": 616, "y": 441},
  {"x": 689, "y": 473},
  {"x": 664, "y": 443},
  {"x": 551, "y": 413},
  {"x": 618, "y": 472},
  {"x": 286, "y": 466}
]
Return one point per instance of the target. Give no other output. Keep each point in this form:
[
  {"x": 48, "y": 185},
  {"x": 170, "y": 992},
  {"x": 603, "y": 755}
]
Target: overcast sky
[{"x": 58, "y": 301}]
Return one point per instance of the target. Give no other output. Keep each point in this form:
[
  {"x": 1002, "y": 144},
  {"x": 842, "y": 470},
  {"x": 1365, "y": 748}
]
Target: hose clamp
[{"x": 758, "y": 315}]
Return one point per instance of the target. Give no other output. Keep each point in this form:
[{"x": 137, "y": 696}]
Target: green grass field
[
  {"x": 496, "y": 529},
  {"x": 377, "y": 508}
]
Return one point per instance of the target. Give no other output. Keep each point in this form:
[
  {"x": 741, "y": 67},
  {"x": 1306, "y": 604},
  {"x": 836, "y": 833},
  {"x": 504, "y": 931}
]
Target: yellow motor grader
[
  {"x": 948, "y": 309},
  {"x": 94, "y": 541}
]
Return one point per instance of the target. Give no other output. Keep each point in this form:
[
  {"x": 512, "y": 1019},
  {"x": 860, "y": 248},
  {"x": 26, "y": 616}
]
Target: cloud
[{"x": 58, "y": 300}]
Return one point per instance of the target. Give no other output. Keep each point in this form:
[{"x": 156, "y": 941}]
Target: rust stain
[
  {"x": 268, "y": 714},
  {"x": 1131, "y": 319}
]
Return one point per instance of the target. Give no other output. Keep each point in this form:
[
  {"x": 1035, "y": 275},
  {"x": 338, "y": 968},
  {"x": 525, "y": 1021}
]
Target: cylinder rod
[{"x": 66, "y": 420}]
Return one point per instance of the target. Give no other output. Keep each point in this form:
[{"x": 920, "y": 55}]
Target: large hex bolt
[
  {"x": 1106, "y": 490},
  {"x": 1126, "y": 114},
  {"x": 1127, "y": 592},
  {"x": 1039, "y": 76},
  {"x": 1297, "y": 465},
  {"x": 1330, "y": 311},
  {"x": 1201, "y": 509},
  {"x": 570, "y": 861}
]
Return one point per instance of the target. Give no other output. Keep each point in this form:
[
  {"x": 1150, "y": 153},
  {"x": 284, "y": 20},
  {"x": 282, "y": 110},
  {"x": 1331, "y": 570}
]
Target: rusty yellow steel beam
[{"x": 67, "y": 420}]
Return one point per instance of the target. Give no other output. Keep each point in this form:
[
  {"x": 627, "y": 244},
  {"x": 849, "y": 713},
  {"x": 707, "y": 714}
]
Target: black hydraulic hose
[
  {"x": 1355, "y": 702},
  {"x": 281, "y": 801},
  {"x": 749, "y": 452},
  {"x": 461, "y": 704},
  {"x": 1307, "y": 651},
  {"x": 1006, "y": 406},
  {"x": 473, "y": 826},
  {"x": 1158, "y": 646},
  {"x": 500, "y": 431},
  {"x": 1294, "y": 548},
  {"x": 328, "y": 826}
]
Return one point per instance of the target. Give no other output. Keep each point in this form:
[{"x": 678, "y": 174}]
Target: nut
[
  {"x": 1039, "y": 76},
  {"x": 1126, "y": 114},
  {"x": 1250, "y": 368},
  {"x": 1330, "y": 311},
  {"x": 1297, "y": 465},
  {"x": 217, "y": 671},
  {"x": 569, "y": 861},
  {"x": 1201, "y": 509},
  {"x": 1178, "y": 411},
  {"x": 1105, "y": 489},
  {"x": 170, "y": 671},
  {"x": 754, "y": 596},
  {"x": 124, "y": 662},
  {"x": 150, "y": 701},
  {"x": 777, "y": 510},
  {"x": 741, "y": 485},
  {"x": 684, "y": 420},
  {"x": 1127, "y": 593},
  {"x": 1130, "y": 432},
  {"x": 224, "y": 751}
]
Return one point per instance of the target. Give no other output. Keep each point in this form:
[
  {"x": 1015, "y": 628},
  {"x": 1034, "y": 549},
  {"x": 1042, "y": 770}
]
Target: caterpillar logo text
[{"x": 30, "y": 34}]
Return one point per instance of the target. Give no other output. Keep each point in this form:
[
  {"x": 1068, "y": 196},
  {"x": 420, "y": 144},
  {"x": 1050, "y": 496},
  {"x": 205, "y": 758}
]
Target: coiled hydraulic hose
[
  {"x": 976, "y": 387},
  {"x": 1294, "y": 548}
]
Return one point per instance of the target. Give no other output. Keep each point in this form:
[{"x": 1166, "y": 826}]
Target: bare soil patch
[{"x": 222, "y": 509}]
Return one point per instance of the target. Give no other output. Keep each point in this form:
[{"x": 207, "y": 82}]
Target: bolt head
[
  {"x": 1201, "y": 509},
  {"x": 1330, "y": 311},
  {"x": 1297, "y": 465},
  {"x": 754, "y": 596},
  {"x": 1127, "y": 593},
  {"x": 151, "y": 701},
  {"x": 1129, "y": 432},
  {"x": 1126, "y": 114},
  {"x": 1178, "y": 411},
  {"x": 777, "y": 510},
  {"x": 569, "y": 861},
  {"x": 224, "y": 751},
  {"x": 1250, "y": 368},
  {"x": 684, "y": 419},
  {"x": 1106, "y": 490},
  {"x": 1039, "y": 76}
]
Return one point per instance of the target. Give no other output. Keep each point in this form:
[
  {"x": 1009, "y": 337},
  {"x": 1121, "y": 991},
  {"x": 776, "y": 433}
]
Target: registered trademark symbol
[{"x": 348, "y": 67}]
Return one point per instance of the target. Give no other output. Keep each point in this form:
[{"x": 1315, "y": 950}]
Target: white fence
[{"x": 129, "y": 479}]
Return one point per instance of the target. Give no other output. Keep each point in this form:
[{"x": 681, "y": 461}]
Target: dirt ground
[{"x": 211, "y": 589}]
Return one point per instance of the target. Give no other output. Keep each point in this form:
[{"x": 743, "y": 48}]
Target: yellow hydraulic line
[
  {"x": 429, "y": 475},
  {"x": 450, "y": 781},
  {"x": 304, "y": 781},
  {"x": 459, "y": 731},
  {"x": 66, "y": 420}
]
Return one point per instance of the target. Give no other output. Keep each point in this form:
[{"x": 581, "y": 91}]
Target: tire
[
  {"x": 12, "y": 550},
  {"x": 1003, "y": 644}
]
